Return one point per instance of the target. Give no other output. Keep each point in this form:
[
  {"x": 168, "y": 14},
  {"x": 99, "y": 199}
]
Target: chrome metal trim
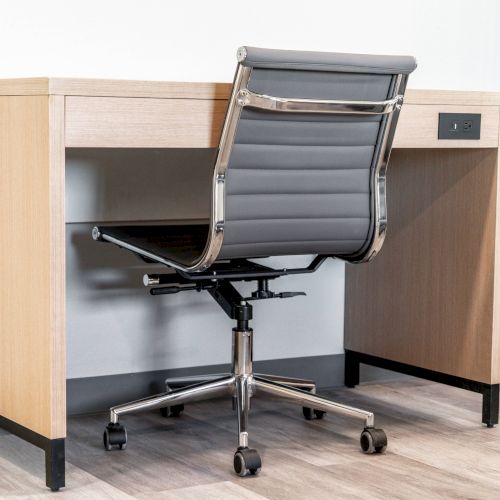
[
  {"x": 378, "y": 180},
  {"x": 176, "y": 382},
  {"x": 290, "y": 381},
  {"x": 241, "y": 54},
  {"x": 307, "y": 399},
  {"x": 243, "y": 393},
  {"x": 196, "y": 392},
  {"x": 242, "y": 353},
  {"x": 148, "y": 280},
  {"x": 247, "y": 98},
  {"x": 216, "y": 232}
]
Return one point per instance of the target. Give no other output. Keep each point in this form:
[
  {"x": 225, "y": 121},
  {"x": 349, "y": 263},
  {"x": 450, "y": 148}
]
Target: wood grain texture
[
  {"x": 114, "y": 88},
  {"x": 496, "y": 291},
  {"x": 418, "y": 126},
  {"x": 139, "y": 88},
  {"x": 24, "y": 86},
  {"x": 31, "y": 357},
  {"x": 203, "y": 90},
  {"x": 57, "y": 239},
  {"x": 452, "y": 97},
  {"x": 136, "y": 122},
  {"x": 427, "y": 298}
]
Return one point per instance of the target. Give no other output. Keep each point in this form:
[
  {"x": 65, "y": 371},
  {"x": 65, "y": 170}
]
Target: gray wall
[{"x": 114, "y": 326}]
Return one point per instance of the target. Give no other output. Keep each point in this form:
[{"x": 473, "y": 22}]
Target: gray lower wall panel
[{"x": 95, "y": 394}]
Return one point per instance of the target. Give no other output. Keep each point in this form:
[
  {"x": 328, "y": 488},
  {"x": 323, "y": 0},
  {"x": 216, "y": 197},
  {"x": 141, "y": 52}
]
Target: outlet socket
[{"x": 459, "y": 126}]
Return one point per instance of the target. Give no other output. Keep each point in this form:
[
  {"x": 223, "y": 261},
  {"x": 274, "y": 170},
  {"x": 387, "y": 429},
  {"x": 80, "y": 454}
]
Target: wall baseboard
[{"x": 95, "y": 394}]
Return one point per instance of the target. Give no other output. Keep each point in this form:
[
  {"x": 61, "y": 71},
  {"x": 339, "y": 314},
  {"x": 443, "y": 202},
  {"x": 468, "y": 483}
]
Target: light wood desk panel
[
  {"x": 40, "y": 117},
  {"x": 418, "y": 126},
  {"x": 114, "y": 122},
  {"x": 32, "y": 341},
  {"x": 434, "y": 277}
]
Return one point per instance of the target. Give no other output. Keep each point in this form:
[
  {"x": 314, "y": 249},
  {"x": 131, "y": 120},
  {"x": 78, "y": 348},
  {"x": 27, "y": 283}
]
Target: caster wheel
[
  {"x": 172, "y": 411},
  {"x": 309, "y": 413},
  {"x": 247, "y": 461},
  {"x": 373, "y": 440},
  {"x": 115, "y": 436}
]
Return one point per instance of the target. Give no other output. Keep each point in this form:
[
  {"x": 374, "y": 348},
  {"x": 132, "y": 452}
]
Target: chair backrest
[{"x": 301, "y": 163}]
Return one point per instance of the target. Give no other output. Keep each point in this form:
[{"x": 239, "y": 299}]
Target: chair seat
[{"x": 178, "y": 243}]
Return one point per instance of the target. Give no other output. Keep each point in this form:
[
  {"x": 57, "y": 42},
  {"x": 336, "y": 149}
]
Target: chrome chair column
[{"x": 243, "y": 375}]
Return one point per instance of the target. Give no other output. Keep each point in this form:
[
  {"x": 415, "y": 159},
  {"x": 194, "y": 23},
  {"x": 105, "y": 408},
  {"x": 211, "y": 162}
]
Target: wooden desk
[
  {"x": 41, "y": 117},
  {"x": 429, "y": 304}
]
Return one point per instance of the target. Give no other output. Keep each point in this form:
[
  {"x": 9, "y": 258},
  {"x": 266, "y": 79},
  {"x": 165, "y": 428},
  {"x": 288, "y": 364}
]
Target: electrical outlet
[
  {"x": 459, "y": 126},
  {"x": 468, "y": 124}
]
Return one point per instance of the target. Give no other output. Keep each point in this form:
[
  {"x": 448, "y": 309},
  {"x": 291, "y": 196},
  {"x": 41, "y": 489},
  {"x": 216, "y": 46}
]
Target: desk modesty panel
[{"x": 41, "y": 117}]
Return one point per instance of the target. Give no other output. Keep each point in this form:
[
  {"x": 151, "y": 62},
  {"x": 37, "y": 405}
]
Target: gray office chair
[{"x": 300, "y": 170}]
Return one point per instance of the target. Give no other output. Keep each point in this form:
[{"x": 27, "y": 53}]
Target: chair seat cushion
[{"x": 179, "y": 243}]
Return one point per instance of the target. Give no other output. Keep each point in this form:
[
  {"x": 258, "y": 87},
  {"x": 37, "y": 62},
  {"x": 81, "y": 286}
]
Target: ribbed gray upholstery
[{"x": 300, "y": 184}]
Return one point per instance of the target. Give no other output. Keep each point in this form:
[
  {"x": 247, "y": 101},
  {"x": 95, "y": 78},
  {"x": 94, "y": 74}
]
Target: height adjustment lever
[
  {"x": 263, "y": 292},
  {"x": 287, "y": 295},
  {"x": 167, "y": 290}
]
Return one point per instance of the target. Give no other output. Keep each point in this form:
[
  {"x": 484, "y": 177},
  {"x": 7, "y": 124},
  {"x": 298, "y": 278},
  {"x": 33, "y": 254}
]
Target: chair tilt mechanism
[{"x": 300, "y": 170}]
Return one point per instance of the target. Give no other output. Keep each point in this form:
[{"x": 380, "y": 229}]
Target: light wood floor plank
[
  {"x": 437, "y": 449},
  {"x": 224, "y": 490}
]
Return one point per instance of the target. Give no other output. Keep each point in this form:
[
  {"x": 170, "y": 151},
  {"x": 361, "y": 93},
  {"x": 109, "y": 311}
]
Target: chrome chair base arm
[
  {"x": 176, "y": 382},
  {"x": 306, "y": 398},
  {"x": 195, "y": 392},
  {"x": 299, "y": 383}
]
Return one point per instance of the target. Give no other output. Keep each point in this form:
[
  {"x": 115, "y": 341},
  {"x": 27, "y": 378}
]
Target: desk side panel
[
  {"x": 427, "y": 298},
  {"x": 27, "y": 333},
  {"x": 495, "y": 368}
]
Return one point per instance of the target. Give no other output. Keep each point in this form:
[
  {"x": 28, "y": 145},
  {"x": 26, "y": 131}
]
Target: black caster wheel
[
  {"x": 309, "y": 413},
  {"x": 115, "y": 436},
  {"x": 247, "y": 461},
  {"x": 373, "y": 440},
  {"x": 172, "y": 411}
]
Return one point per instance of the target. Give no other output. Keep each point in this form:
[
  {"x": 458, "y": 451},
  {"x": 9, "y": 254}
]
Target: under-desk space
[
  {"x": 106, "y": 185},
  {"x": 113, "y": 325}
]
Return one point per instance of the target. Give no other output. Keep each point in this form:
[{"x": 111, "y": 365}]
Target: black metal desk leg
[
  {"x": 351, "y": 369},
  {"x": 490, "y": 404},
  {"x": 54, "y": 464}
]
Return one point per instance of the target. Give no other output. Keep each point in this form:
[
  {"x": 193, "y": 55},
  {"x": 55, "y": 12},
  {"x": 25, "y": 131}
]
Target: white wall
[{"x": 456, "y": 42}]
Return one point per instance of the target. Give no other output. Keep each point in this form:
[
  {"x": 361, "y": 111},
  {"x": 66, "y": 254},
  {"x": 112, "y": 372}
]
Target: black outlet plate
[{"x": 463, "y": 126}]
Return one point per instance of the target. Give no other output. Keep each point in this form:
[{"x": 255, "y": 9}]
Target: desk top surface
[{"x": 202, "y": 90}]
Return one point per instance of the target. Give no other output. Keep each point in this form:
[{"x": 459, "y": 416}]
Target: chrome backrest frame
[
  {"x": 217, "y": 211},
  {"x": 378, "y": 179},
  {"x": 242, "y": 97}
]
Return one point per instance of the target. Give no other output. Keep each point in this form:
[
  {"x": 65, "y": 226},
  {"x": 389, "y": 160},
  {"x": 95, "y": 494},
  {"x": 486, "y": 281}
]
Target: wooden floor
[{"x": 437, "y": 449}]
